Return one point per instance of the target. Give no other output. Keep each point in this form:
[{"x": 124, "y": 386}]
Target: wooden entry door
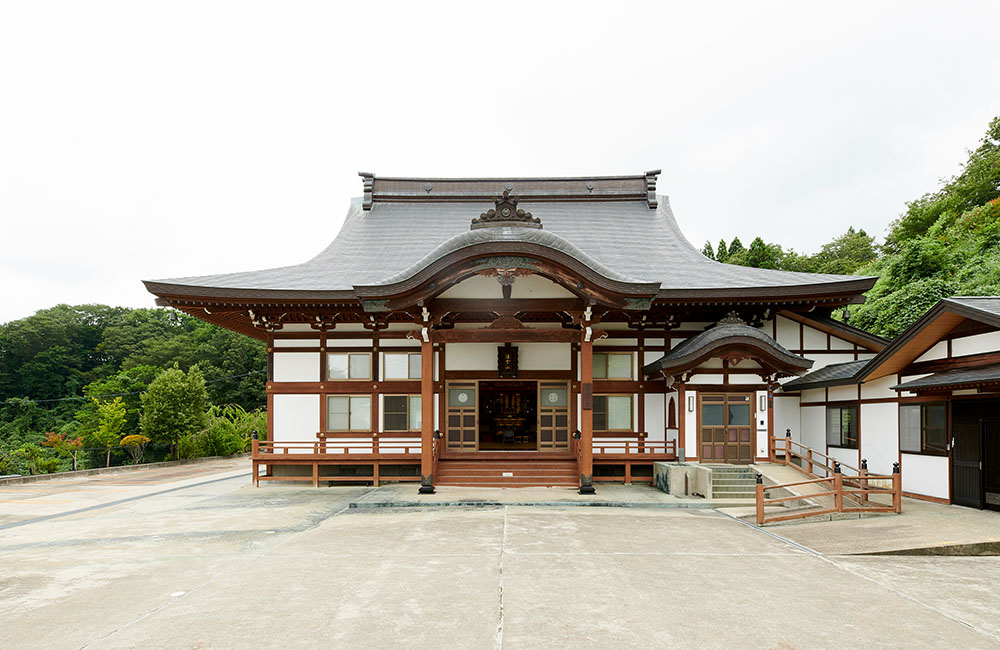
[
  {"x": 463, "y": 427},
  {"x": 726, "y": 428},
  {"x": 553, "y": 416}
]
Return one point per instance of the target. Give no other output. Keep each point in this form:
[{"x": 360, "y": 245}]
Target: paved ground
[{"x": 217, "y": 564}]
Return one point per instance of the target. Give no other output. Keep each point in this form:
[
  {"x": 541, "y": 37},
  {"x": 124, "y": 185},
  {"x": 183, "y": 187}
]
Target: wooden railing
[
  {"x": 635, "y": 448},
  {"x": 855, "y": 489},
  {"x": 375, "y": 446}
]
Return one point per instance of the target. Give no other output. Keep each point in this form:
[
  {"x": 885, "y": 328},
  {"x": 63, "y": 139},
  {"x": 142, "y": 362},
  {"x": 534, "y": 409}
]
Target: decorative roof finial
[{"x": 506, "y": 213}]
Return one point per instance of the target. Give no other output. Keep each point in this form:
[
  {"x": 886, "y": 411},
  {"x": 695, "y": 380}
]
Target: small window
[
  {"x": 402, "y": 413},
  {"x": 348, "y": 413},
  {"x": 923, "y": 428},
  {"x": 612, "y": 365},
  {"x": 842, "y": 426},
  {"x": 402, "y": 365},
  {"x": 349, "y": 365},
  {"x": 612, "y": 412}
]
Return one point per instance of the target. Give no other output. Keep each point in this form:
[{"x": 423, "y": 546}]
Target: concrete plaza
[{"x": 194, "y": 557}]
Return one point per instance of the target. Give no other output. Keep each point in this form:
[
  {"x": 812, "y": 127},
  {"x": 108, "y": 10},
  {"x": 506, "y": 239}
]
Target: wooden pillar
[
  {"x": 426, "y": 417},
  {"x": 586, "y": 413}
]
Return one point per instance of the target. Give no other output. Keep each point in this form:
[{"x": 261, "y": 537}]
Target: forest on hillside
[
  {"x": 92, "y": 385},
  {"x": 946, "y": 243}
]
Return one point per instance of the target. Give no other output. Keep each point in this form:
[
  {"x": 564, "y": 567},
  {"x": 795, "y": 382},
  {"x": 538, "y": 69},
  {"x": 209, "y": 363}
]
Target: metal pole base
[
  {"x": 587, "y": 489},
  {"x": 426, "y": 489}
]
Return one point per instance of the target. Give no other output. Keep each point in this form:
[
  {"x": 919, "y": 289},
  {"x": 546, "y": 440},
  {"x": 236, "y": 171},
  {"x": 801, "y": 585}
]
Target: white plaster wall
[
  {"x": 879, "y": 388},
  {"x": 296, "y": 366},
  {"x": 655, "y": 416},
  {"x": 927, "y": 475},
  {"x": 745, "y": 379},
  {"x": 844, "y": 456},
  {"x": 296, "y": 418},
  {"x": 849, "y": 392},
  {"x": 540, "y": 356},
  {"x": 470, "y": 356},
  {"x": 787, "y": 416},
  {"x": 812, "y": 431},
  {"x": 937, "y": 351},
  {"x": 296, "y": 343},
  {"x": 400, "y": 343},
  {"x": 332, "y": 342},
  {"x": 706, "y": 379},
  {"x": 813, "y": 338},
  {"x": 880, "y": 436},
  {"x": 840, "y": 344},
  {"x": 690, "y": 424},
  {"x": 655, "y": 342},
  {"x": 650, "y": 357},
  {"x": 989, "y": 342},
  {"x": 788, "y": 333},
  {"x": 823, "y": 360}
]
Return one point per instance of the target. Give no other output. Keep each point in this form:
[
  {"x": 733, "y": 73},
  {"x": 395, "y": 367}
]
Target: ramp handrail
[{"x": 857, "y": 487}]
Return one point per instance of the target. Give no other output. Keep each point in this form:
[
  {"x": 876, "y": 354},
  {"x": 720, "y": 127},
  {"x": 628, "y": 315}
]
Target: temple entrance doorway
[{"x": 508, "y": 415}]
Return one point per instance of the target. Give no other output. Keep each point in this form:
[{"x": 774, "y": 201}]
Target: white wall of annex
[
  {"x": 788, "y": 333},
  {"x": 880, "y": 436},
  {"x": 296, "y": 418},
  {"x": 989, "y": 342},
  {"x": 655, "y": 416},
  {"x": 813, "y": 338},
  {"x": 690, "y": 424},
  {"x": 844, "y": 456},
  {"x": 937, "y": 351},
  {"x": 927, "y": 475},
  {"x": 296, "y": 366},
  {"x": 840, "y": 344},
  {"x": 812, "y": 432},
  {"x": 843, "y": 393},
  {"x": 787, "y": 416},
  {"x": 880, "y": 388}
]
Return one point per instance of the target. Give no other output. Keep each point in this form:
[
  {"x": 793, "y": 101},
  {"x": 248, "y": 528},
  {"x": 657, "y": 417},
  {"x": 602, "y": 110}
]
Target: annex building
[{"x": 562, "y": 331}]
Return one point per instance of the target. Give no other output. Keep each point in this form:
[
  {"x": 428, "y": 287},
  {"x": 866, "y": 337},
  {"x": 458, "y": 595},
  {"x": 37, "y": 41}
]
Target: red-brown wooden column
[
  {"x": 586, "y": 413},
  {"x": 426, "y": 417}
]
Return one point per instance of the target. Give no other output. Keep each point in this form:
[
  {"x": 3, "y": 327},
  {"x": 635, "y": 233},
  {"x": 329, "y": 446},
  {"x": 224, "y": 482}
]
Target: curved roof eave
[{"x": 695, "y": 349}]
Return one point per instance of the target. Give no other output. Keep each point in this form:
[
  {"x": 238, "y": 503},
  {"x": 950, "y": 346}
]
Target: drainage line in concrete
[
  {"x": 117, "y": 502},
  {"x": 805, "y": 549}
]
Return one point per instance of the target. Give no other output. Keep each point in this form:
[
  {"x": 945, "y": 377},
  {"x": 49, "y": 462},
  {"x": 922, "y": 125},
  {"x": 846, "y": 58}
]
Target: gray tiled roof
[
  {"x": 986, "y": 304},
  {"x": 835, "y": 374},
  {"x": 626, "y": 237},
  {"x": 690, "y": 348},
  {"x": 956, "y": 377}
]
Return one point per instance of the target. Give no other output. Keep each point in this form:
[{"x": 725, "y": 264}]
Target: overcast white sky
[{"x": 147, "y": 140}]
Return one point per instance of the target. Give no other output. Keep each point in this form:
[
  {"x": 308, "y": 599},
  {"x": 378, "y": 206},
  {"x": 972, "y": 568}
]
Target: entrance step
[
  {"x": 507, "y": 473},
  {"x": 733, "y": 482}
]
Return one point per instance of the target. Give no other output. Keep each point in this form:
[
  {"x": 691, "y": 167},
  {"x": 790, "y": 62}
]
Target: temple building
[{"x": 557, "y": 331}]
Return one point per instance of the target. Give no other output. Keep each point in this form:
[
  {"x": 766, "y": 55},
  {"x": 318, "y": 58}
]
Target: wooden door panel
[{"x": 966, "y": 462}]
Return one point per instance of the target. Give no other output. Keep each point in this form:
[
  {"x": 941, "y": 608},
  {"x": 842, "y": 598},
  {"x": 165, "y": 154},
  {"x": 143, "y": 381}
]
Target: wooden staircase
[{"x": 506, "y": 471}]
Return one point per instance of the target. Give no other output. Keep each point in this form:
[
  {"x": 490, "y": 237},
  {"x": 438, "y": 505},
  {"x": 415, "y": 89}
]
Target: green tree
[
  {"x": 977, "y": 184},
  {"x": 707, "y": 251},
  {"x": 761, "y": 255},
  {"x": 736, "y": 247},
  {"x": 110, "y": 425},
  {"x": 64, "y": 445},
  {"x": 174, "y": 406},
  {"x": 722, "y": 254},
  {"x": 846, "y": 253}
]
